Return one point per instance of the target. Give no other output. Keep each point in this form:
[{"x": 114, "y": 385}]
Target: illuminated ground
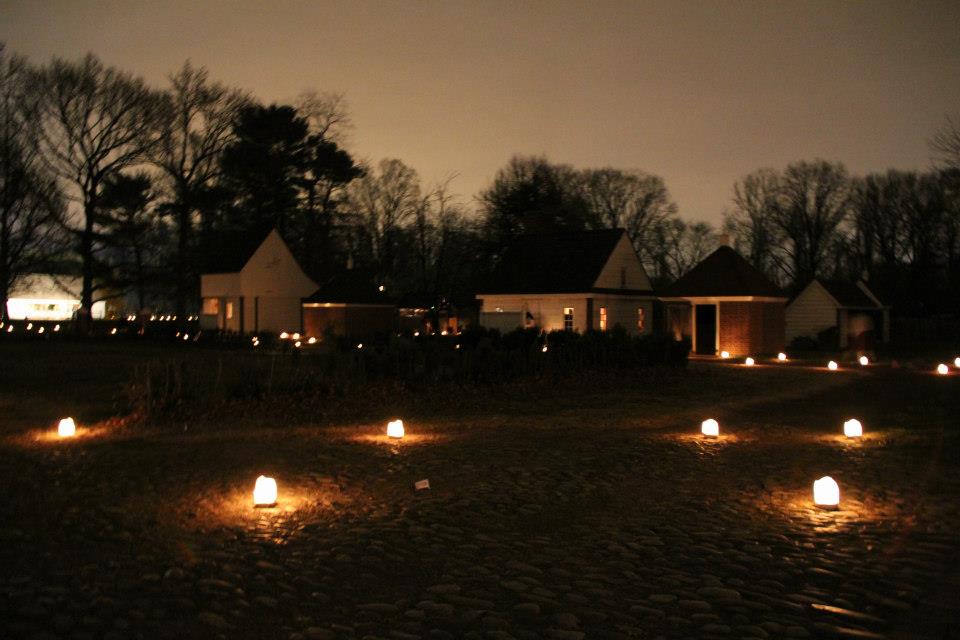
[{"x": 578, "y": 513}]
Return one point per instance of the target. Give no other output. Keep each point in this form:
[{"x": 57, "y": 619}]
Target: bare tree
[
  {"x": 813, "y": 203},
  {"x": 30, "y": 203},
  {"x": 197, "y": 123},
  {"x": 327, "y": 114},
  {"x": 946, "y": 145},
  {"x": 751, "y": 221},
  {"x": 635, "y": 201},
  {"x": 384, "y": 200},
  {"x": 92, "y": 121}
]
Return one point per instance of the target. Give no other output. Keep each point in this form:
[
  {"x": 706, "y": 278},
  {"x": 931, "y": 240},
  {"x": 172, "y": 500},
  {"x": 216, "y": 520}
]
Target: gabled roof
[
  {"x": 350, "y": 287},
  {"x": 848, "y": 294},
  {"x": 233, "y": 250},
  {"x": 563, "y": 262},
  {"x": 723, "y": 273}
]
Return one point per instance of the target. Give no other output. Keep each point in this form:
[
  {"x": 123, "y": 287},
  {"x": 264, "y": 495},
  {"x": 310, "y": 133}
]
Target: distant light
[
  {"x": 395, "y": 429},
  {"x": 852, "y": 428},
  {"x": 544, "y": 348},
  {"x": 724, "y": 354},
  {"x": 864, "y": 361},
  {"x": 826, "y": 493},
  {"x": 186, "y": 336},
  {"x": 10, "y": 329},
  {"x": 29, "y": 326},
  {"x": 832, "y": 365},
  {"x": 152, "y": 318},
  {"x": 710, "y": 428},
  {"x": 444, "y": 332},
  {"x": 380, "y": 288},
  {"x": 41, "y": 329},
  {"x": 782, "y": 357},
  {"x": 296, "y": 336},
  {"x": 56, "y": 327},
  {"x": 312, "y": 340},
  {"x": 265, "y": 492},
  {"x": 748, "y": 362},
  {"x": 458, "y": 346},
  {"x": 67, "y": 428},
  {"x": 284, "y": 335},
  {"x": 956, "y": 363},
  {"x": 359, "y": 345},
  {"x": 113, "y": 331},
  {"x": 297, "y": 344},
  {"x": 942, "y": 369},
  {"x": 256, "y": 342},
  {"x": 416, "y": 334}
]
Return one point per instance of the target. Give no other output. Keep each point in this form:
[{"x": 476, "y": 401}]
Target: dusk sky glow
[{"x": 699, "y": 93}]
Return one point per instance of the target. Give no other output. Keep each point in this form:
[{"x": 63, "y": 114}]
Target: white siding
[
  {"x": 811, "y": 312},
  {"x": 273, "y": 272},
  {"x": 623, "y": 259}
]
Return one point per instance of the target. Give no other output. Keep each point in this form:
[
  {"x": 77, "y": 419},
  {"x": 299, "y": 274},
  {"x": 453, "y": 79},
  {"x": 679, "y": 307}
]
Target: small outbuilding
[
  {"x": 46, "y": 296},
  {"x": 836, "y": 314},
  {"x": 349, "y": 304},
  {"x": 573, "y": 281},
  {"x": 725, "y": 304},
  {"x": 254, "y": 284}
]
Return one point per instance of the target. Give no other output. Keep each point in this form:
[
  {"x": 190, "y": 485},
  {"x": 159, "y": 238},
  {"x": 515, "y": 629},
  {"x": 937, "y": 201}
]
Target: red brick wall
[{"x": 752, "y": 328}]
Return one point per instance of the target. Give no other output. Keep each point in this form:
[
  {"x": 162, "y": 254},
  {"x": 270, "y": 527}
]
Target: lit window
[
  {"x": 603, "y": 318},
  {"x": 568, "y": 318},
  {"x": 229, "y": 310},
  {"x": 641, "y": 318},
  {"x": 211, "y": 306}
]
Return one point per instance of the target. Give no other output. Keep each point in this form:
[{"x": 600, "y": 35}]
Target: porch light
[
  {"x": 826, "y": 493},
  {"x": 832, "y": 365},
  {"x": 710, "y": 428},
  {"x": 748, "y": 362},
  {"x": 67, "y": 428},
  {"x": 782, "y": 357},
  {"x": 724, "y": 354},
  {"x": 852, "y": 428},
  {"x": 395, "y": 429},
  {"x": 265, "y": 492},
  {"x": 942, "y": 369},
  {"x": 864, "y": 361}
]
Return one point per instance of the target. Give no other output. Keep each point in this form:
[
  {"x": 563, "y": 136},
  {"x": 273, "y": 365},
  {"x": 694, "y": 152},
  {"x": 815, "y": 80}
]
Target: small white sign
[{"x": 421, "y": 484}]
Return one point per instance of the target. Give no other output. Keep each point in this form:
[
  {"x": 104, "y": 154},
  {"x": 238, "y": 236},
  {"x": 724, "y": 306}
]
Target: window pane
[
  {"x": 641, "y": 317},
  {"x": 568, "y": 318}
]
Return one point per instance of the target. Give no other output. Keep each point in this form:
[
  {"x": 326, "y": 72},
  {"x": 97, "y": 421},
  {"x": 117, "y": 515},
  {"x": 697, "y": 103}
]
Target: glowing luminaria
[
  {"x": 395, "y": 429},
  {"x": 748, "y": 362},
  {"x": 832, "y": 365},
  {"x": 826, "y": 492},
  {"x": 265, "y": 492},
  {"x": 710, "y": 428},
  {"x": 782, "y": 357},
  {"x": 67, "y": 428},
  {"x": 852, "y": 428}
]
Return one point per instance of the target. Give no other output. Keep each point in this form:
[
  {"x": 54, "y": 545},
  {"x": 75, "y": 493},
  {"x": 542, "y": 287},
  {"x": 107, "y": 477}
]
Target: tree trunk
[
  {"x": 86, "y": 256},
  {"x": 183, "y": 288}
]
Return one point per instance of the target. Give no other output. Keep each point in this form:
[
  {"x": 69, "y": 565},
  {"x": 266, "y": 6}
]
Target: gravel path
[{"x": 558, "y": 527}]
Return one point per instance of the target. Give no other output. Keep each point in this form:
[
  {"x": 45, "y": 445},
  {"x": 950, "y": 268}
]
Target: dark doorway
[{"x": 706, "y": 329}]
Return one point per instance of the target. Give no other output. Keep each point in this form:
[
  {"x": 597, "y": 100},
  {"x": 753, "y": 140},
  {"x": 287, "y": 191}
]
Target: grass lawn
[{"x": 574, "y": 508}]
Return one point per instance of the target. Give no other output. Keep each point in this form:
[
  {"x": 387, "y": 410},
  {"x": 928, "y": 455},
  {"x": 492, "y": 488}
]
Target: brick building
[{"x": 725, "y": 304}]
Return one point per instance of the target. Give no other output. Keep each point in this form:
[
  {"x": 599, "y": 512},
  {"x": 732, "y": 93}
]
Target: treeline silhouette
[{"x": 138, "y": 190}]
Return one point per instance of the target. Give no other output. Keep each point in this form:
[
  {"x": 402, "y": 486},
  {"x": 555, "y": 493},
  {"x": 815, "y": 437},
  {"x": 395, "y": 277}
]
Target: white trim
[
  {"x": 588, "y": 294},
  {"x": 719, "y": 299},
  {"x": 338, "y": 305}
]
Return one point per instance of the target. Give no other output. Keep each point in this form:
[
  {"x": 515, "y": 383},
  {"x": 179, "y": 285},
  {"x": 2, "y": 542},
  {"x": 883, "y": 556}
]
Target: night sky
[{"x": 701, "y": 93}]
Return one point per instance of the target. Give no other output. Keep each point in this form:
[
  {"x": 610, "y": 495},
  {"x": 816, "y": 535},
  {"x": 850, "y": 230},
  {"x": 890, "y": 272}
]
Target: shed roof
[
  {"x": 561, "y": 262},
  {"x": 848, "y": 294},
  {"x": 350, "y": 287},
  {"x": 723, "y": 273}
]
